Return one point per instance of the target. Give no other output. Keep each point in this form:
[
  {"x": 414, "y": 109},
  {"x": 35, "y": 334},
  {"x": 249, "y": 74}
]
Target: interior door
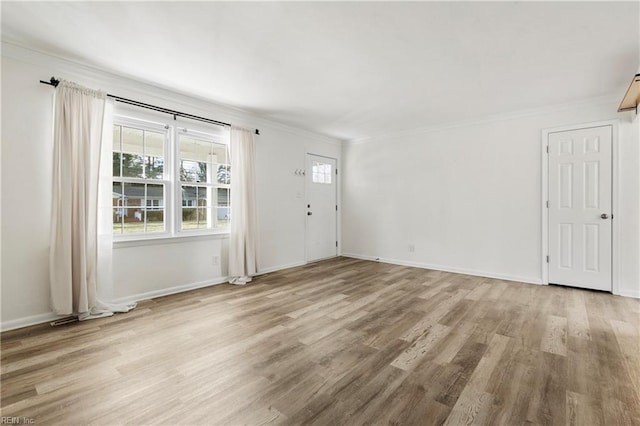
[
  {"x": 321, "y": 208},
  {"x": 580, "y": 201}
]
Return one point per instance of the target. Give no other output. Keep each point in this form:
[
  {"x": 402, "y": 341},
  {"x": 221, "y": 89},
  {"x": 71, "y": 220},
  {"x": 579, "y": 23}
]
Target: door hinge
[
  {"x": 547, "y": 203},
  {"x": 547, "y": 149},
  {"x": 336, "y": 244},
  {"x": 336, "y": 207},
  {"x": 336, "y": 170},
  {"x": 547, "y": 258}
]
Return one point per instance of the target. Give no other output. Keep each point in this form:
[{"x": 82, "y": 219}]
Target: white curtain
[
  {"x": 76, "y": 270},
  {"x": 243, "y": 263}
]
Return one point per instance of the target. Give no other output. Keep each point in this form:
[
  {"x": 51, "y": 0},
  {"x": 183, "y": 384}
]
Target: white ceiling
[{"x": 350, "y": 69}]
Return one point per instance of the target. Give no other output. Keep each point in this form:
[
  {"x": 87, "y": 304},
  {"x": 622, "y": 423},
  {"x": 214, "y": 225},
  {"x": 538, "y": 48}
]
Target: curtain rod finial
[{"x": 258, "y": 132}]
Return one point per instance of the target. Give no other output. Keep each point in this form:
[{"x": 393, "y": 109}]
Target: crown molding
[
  {"x": 132, "y": 86},
  {"x": 129, "y": 86},
  {"x": 601, "y": 100}
]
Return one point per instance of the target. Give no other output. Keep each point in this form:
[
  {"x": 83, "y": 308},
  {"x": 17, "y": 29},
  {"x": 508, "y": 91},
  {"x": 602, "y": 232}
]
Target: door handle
[
  {"x": 309, "y": 213},
  {"x": 604, "y": 216}
]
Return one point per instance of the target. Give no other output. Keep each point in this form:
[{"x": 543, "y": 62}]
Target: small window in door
[{"x": 321, "y": 173}]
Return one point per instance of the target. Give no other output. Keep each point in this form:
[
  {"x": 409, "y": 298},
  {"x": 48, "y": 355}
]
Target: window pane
[
  {"x": 196, "y": 202},
  {"x": 154, "y": 201},
  {"x": 189, "y": 194},
  {"x": 117, "y": 158},
  {"x": 117, "y": 191},
  {"x": 134, "y": 194},
  {"x": 132, "y": 220},
  {"x": 223, "y": 215},
  {"x": 154, "y": 220},
  {"x": 154, "y": 154},
  {"x": 205, "y": 207},
  {"x": 193, "y": 171},
  {"x": 223, "y": 175},
  {"x": 203, "y": 161},
  {"x": 219, "y": 152},
  {"x": 117, "y": 151},
  {"x": 189, "y": 218},
  {"x": 118, "y": 214},
  {"x": 118, "y": 207},
  {"x": 155, "y": 195},
  {"x": 321, "y": 172},
  {"x": 196, "y": 218},
  {"x": 223, "y": 196},
  {"x": 132, "y": 152},
  {"x": 195, "y": 150},
  {"x": 138, "y": 208}
]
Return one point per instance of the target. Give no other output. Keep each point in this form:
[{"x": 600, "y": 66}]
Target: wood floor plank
[
  {"x": 342, "y": 341},
  {"x": 555, "y": 336},
  {"x": 582, "y": 410},
  {"x": 548, "y": 405},
  {"x": 413, "y": 354},
  {"x": 629, "y": 342},
  {"x": 577, "y": 319},
  {"x": 472, "y": 407}
]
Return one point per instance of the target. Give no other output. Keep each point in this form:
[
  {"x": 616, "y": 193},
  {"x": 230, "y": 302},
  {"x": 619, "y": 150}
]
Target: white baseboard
[
  {"x": 444, "y": 268},
  {"x": 50, "y": 316},
  {"x": 171, "y": 290},
  {"x": 29, "y": 321},
  {"x": 280, "y": 268},
  {"x": 628, "y": 293}
]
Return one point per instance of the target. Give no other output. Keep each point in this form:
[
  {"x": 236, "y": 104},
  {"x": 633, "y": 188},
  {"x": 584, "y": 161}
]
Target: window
[
  {"x": 139, "y": 184},
  {"x": 321, "y": 172},
  {"x": 205, "y": 178},
  {"x": 168, "y": 180}
]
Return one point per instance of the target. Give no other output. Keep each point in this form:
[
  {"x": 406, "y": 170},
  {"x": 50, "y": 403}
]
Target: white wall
[
  {"x": 281, "y": 199},
  {"x": 468, "y": 196},
  {"x": 140, "y": 270}
]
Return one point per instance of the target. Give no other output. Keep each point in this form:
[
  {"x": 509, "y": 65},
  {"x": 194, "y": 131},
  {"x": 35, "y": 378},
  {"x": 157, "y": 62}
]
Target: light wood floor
[{"x": 338, "y": 342}]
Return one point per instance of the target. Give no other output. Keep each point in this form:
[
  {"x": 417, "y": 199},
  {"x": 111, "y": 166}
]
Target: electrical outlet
[
  {"x": 215, "y": 260},
  {"x": 412, "y": 248}
]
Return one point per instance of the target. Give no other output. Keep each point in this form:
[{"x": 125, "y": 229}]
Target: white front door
[
  {"x": 580, "y": 208},
  {"x": 321, "y": 208}
]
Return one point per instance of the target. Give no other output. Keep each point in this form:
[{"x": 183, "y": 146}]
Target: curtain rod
[{"x": 54, "y": 82}]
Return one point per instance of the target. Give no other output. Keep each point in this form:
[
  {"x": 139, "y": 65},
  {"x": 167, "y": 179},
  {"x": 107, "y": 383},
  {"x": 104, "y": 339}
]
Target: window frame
[{"x": 171, "y": 176}]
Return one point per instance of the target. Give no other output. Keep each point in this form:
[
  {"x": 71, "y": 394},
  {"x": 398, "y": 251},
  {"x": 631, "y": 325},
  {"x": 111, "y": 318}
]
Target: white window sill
[{"x": 180, "y": 238}]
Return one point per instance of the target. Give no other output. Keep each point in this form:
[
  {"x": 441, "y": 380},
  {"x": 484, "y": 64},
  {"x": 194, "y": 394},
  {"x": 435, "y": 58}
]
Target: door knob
[
  {"x": 604, "y": 216},
  {"x": 309, "y": 213}
]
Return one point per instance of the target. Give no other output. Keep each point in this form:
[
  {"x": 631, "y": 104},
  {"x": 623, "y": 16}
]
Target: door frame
[
  {"x": 306, "y": 201},
  {"x": 544, "y": 211}
]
